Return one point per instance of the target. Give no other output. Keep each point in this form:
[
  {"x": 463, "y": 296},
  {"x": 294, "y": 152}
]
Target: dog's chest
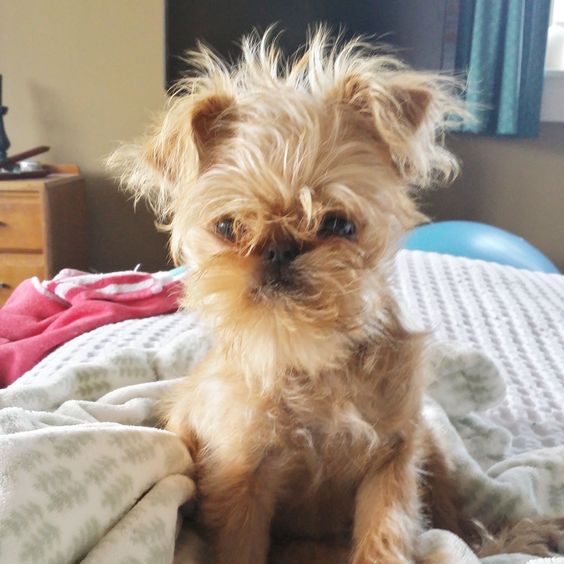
[
  {"x": 325, "y": 452},
  {"x": 333, "y": 425}
]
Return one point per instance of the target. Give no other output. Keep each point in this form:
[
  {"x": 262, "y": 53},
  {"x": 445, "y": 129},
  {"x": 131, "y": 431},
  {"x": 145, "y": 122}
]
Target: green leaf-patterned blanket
[{"x": 86, "y": 476}]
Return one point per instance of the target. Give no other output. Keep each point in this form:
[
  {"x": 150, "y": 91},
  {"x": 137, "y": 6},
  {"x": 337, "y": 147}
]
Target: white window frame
[{"x": 552, "y": 105}]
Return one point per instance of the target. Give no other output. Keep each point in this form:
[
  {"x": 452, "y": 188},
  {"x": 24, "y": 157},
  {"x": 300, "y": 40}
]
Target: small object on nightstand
[
  {"x": 30, "y": 165},
  {"x": 4, "y": 141},
  {"x": 11, "y": 167},
  {"x": 42, "y": 228},
  {"x": 14, "y": 167}
]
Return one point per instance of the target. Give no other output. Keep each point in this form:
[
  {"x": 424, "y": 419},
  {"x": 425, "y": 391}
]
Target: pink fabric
[{"x": 38, "y": 317}]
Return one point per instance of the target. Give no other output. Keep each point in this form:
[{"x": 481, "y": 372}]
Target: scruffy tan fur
[{"x": 304, "y": 419}]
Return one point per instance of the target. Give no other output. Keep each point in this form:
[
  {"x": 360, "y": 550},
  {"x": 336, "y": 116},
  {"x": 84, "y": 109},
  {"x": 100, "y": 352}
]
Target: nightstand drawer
[
  {"x": 17, "y": 267},
  {"x": 43, "y": 228},
  {"x": 21, "y": 223}
]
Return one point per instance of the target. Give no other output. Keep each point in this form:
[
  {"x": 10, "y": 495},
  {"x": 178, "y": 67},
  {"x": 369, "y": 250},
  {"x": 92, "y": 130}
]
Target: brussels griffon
[{"x": 285, "y": 184}]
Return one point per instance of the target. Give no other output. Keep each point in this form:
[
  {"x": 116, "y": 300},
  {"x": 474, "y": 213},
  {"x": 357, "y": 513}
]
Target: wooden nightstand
[{"x": 42, "y": 228}]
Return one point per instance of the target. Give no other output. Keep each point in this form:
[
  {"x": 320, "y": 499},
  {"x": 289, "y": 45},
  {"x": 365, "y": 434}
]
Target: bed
[{"x": 87, "y": 475}]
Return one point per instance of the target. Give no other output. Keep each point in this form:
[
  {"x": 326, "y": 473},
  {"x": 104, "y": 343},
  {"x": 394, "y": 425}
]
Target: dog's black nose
[{"x": 280, "y": 253}]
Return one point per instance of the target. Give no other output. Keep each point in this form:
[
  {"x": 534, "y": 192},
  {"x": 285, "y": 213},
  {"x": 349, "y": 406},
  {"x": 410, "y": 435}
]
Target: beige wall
[
  {"x": 516, "y": 184},
  {"x": 80, "y": 75}
]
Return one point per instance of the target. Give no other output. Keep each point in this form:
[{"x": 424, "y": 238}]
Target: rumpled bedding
[
  {"x": 87, "y": 475},
  {"x": 40, "y": 316}
]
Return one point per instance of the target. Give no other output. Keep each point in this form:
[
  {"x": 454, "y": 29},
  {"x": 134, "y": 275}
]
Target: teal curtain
[{"x": 500, "y": 49}]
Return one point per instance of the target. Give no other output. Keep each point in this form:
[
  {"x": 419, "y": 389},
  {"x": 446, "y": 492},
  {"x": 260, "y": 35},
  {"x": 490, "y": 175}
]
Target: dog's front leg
[
  {"x": 387, "y": 513},
  {"x": 236, "y": 506}
]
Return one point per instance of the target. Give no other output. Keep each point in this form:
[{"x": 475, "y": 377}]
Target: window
[
  {"x": 552, "y": 108},
  {"x": 555, "y": 44}
]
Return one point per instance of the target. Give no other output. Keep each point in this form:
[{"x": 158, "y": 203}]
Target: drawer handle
[
  {"x": 3, "y": 224},
  {"x": 4, "y": 286}
]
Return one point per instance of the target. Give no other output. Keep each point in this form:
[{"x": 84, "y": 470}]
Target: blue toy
[{"x": 479, "y": 241}]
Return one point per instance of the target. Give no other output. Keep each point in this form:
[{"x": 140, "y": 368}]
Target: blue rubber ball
[{"x": 479, "y": 241}]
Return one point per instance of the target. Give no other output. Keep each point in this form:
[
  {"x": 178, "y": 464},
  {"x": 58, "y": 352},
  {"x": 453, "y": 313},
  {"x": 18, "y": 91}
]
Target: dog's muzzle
[{"x": 277, "y": 258}]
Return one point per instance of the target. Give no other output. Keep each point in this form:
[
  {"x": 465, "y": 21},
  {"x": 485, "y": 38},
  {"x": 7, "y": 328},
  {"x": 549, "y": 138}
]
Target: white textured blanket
[{"x": 84, "y": 474}]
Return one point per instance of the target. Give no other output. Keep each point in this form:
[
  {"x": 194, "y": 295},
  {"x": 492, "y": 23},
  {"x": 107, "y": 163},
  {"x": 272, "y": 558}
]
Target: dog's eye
[
  {"x": 224, "y": 227},
  {"x": 336, "y": 225}
]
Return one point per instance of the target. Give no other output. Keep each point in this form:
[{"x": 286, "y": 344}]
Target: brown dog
[{"x": 285, "y": 185}]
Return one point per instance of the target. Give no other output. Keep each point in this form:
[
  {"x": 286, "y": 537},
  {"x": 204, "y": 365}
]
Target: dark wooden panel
[
  {"x": 416, "y": 27},
  {"x": 65, "y": 229}
]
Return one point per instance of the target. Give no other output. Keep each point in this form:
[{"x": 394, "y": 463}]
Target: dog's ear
[
  {"x": 407, "y": 112},
  {"x": 180, "y": 147},
  {"x": 405, "y": 106}
]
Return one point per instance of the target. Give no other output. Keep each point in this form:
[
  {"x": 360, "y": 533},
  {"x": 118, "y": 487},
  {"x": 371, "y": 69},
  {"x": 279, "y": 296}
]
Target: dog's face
[
  {"x": 285, "y": 190},
  {"x": 291, "y": 214}
]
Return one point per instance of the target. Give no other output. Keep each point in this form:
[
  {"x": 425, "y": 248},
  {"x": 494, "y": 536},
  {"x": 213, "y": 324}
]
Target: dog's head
[{"x": 286, "y": 183}]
